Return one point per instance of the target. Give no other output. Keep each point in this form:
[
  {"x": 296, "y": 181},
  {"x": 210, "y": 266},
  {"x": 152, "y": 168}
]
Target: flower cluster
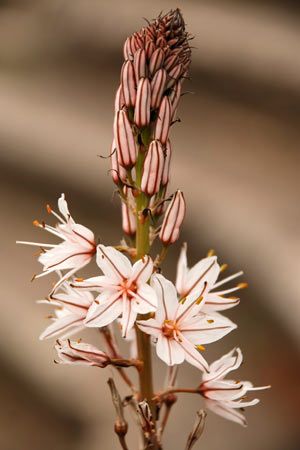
[{"x": 130, "y": 297}]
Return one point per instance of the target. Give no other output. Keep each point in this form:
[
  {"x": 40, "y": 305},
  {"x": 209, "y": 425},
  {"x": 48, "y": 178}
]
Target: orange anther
[
  {"x": 49, "y": 209},
  {"x": 242, "y": 285},
  {"x": 36, "y": 223}
]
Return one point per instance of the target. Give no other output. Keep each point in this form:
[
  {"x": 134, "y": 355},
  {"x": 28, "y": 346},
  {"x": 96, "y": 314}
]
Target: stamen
[
  {"x": 211, "y": 252},
  {"x": 37, "y": 244},
  {"x": 225, "y": 280},
  {"x": 223, "y": 267},
  {"x": 201, "y": 348},
  {"x": 242, "y": 285}
]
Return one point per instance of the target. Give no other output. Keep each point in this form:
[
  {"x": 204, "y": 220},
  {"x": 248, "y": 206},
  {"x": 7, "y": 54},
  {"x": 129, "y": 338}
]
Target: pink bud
[
  {"x": 156, "y": 60},
  {"x": 170, "y": 61},
  {"x": 119, "y": 99},
  {"x": 174, "y": 74},
  {"x": 174, "y": 98},
  {"x": 139, "y": 62},
  {"x": 162, "y": 127},
  {"x": 167, "y": 159},
  {"x": 173, "y": 219},
  {"x": 129, "y": 48},
  {"x": 150, "y": 47},
  {"x": 128, "y": 216},
  {"x": 142, "y": 106},
  {"x": 126, "y": 146},
  {"x": 128, "y": 84},
  {"x": 153, "y": 168},
  {"x": 118, "y": 172},
  {"x": 158, "y": 85}
]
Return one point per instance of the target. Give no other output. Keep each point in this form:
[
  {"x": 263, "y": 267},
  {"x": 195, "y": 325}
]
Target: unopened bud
[
  {"x": 118, "y": 172},
  {"x": 162, "y": 127},
  {"x": 173, "y": 219},
  {"x": 171, "y": 61},
  {"x": 174, "y": 98},
  {"x": 153, "y": 169},
  {"x": 174, "y": 75},
  {"x": 142, "y": 106},
  {"x": 197, "y": 430},
  {"x": 158, "y": 85},
  {"x": 128, "y": 84},
  {"x": 139, "y": 63},
  {"x": 128, "y": 216},
  {"x": 156, "y": 60},
  {"x": 150, "y": 47},
  {"x": 167, "y": 159},
  {"x": 119, "y": 99},
  {"x": 126, "y": 146}
]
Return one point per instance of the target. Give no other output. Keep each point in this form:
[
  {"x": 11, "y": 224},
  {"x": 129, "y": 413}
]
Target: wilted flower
[
  {"x": 224, "y": 397},
  {"x": 80, "y": 353},
  {"x": 124, "y": 289},
  {"x": 71, "y": 307},
  {"x": 76, "y": 250},
  {"x": 179, "y": 328},
  {"x": 190, "y": 281},
  {"x": 169, "y": 232}
]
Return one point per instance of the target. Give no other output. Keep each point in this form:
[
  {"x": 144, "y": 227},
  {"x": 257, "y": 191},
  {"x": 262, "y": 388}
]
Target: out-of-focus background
[{"x": 236, "y": 157}]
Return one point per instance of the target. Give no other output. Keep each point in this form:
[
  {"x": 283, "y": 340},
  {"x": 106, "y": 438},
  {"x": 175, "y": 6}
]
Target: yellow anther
[
  {"x": 199, "y": 300},
  {"x": 79, "y": 280},
  {"x": 36, "y": 223},
  {"x": 211, "y": 252},
  {"x": 223, "y": 267},
  {"x": 210, "y": 321},
  {"x": 242, "y": 285},
  {"x": 201, "y": 348},
  {"x": 49, "y": 209}
]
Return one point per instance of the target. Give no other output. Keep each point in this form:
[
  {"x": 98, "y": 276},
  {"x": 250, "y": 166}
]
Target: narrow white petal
[
  {"x": 182, "y": 270},
  {"x": 193, "y": 356},
  {"x": 108, "y": 309},
  {"x": 142, "y": 270},
  {"x": 226, "y": 412},
  {"x": 113, "y": 263},
  {"x": 144, "y": 300},
  {"x": 150, "y": 326},
  {"x": 204, "y": 328},
  {"x": 128, "y": 317},
  {"x": 167, "y": 298},
  {"x": 59, "y": 326},
  {"x": 169, "y": 351}
]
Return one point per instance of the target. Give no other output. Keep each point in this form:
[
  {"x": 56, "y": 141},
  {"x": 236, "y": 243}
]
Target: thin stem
[{"x": 122, "y": 441}]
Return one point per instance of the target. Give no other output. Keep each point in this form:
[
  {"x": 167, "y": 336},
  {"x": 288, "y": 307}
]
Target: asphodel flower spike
[
  {"x": 76, "y": 250},
  {"x": 170, "y": 229},
  {"x": 226, "y": 397},
  {"x": 153, "y": 169}
]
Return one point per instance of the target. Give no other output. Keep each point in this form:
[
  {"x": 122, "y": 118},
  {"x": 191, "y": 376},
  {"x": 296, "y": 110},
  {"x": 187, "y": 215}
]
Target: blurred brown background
[{"x": 236, "y": 157}]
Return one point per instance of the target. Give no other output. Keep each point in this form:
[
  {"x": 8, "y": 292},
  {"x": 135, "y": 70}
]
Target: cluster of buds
[{"x": 157, "y": 60}]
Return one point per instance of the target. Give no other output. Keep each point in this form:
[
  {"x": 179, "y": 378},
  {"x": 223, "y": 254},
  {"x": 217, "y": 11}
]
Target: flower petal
[
  {"x": 167, "y": 298},
  {"x": 224, "y": 365},
  {"x": 182, "y": 270},
  {"x": 214, "y": 302},
  {"x": 61, "y": 325},
  {"x": 128, "y": 317},
  {"x": 142, "y": 270},
  {"x": 113, "y": 263},
  {"x": 193, "y": 356},
  {"x": 204, "y": 328},
  {"x": 225, "y": 411},
  {"x": 144, "y": 300},
  {"x": 206, "y": 271},
  {"x": 109, "y": 307},
  {"x": 169, "y": 350},
  {"x": 150, "y": 326}
]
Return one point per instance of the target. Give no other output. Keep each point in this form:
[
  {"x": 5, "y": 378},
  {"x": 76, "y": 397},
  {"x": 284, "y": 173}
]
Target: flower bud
[
  {"x": 128, "y": 84},
  {"x": 162, "y": 127},
  {"x": 142, "y": 107},
  {"x": 158, "y": 85},
  {"x": 153, "y": 168},
  {"x": 139, "y": 63},
  {"x": 156, "y": 60},
  {"x": 174, "y": 98},
  {"x": 128, "y": 216},
  {"x": 174, "y": 75},
  {"x": 173, "y": 219},
  {"x": 167, "y": 159},
  {"x": 119, "y": 99},
  {"x": 150, "y": 47},
  {"x": 170, "y": 61},
  {"x": 73, "y": 352},
  {"x": 118, "y": 172},
  {"x": 126, "y": 146}
]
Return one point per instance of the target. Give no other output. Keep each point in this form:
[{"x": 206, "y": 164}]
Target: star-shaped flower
[
  {"x": 191, "y": 281},
  {"x": 181, "y": 327},
  {"x": 71, "y": 309},
  {"x": 76, "y": 250},
  {"x": 123, "y": 289},
  {"x": 225, "y": 397}
]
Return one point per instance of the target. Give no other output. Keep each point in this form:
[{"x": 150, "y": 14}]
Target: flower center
[
  {"x": 128, "y": 288},
  {"x": 170, "y": 329}
]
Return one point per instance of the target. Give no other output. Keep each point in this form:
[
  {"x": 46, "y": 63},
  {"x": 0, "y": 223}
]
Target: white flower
[
  {"x": 72, "y": 306},
  {"x": 124, "y": 289},
  {"x": 190, "y": 281},
  {"x": 76, "y": 250},
  {"x": 180, "y": 327},
  {"x": 80, "y": 353},
  {"x": 224, "y": 397}
]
